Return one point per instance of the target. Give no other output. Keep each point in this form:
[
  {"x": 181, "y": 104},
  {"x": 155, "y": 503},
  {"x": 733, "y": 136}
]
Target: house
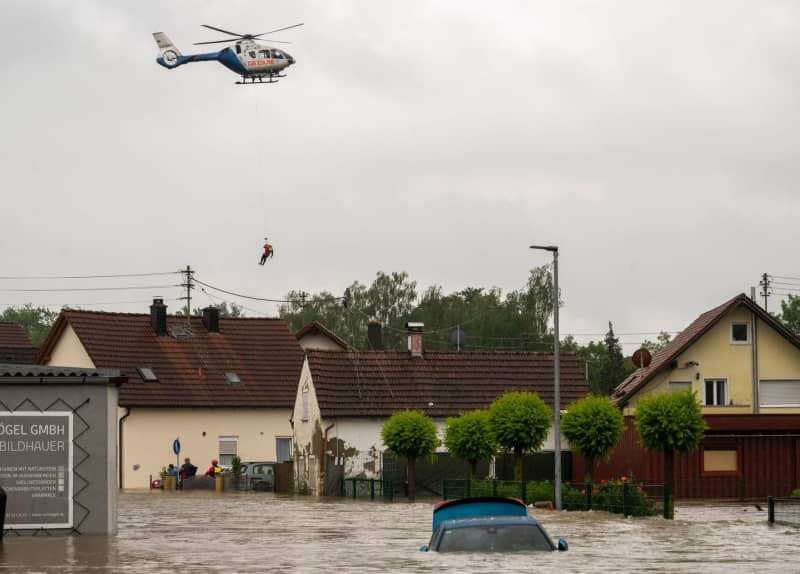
[
  {"x": 744, "y": 367},
  {"x": 344, "y": 397},
  {"x": 315, "y": 335},
  {"x": 223, "y": 386},
  {"x": 15, "y": 344}
]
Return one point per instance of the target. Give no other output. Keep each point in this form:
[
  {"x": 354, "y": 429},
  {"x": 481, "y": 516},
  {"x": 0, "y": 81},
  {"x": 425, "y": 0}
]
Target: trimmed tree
[
  {"x": 670, "y": 422},
  {"x": 469, "y": 437},
  {"x": 520, "y": 421},
  {"x": 593, "y": 425},
  {"x": 410, "y": 434}
]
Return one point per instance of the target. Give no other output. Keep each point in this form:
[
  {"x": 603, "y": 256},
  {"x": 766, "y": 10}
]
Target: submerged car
[
  {"x": 259, "y": 475},
  {"x": 487, "y": 524}
]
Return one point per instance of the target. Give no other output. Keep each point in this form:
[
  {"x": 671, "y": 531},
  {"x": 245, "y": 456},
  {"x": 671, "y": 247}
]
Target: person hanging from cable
[{"x": 268, "y": 252}]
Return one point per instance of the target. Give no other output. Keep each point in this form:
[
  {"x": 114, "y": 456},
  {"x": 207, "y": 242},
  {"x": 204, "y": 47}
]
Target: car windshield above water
[{"x": 494, "y": 538}]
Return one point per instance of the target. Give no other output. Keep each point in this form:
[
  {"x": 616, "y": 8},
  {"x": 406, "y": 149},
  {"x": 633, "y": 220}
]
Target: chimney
[
  {"x": 374, "y": 337},
  {"x": 158, "y": 317},
  {"x": 211, "y": 319},
  {"x": 415, "y": 338}
]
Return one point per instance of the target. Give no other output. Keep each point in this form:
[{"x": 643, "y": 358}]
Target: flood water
[{"x": 262, "y": 532}]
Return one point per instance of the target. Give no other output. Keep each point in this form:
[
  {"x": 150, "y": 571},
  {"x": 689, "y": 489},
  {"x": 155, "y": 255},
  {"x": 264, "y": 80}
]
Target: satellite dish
[
  {"x": 458, "y": 339},
  {"x": 641, "y": 358}
]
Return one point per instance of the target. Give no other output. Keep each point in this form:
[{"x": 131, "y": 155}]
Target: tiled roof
[
  {"x": 313, "y": 327},
  {"x": 379, "y": 383},
  {"x": 191, "y": 371},
  {"x": 13, "y": 335},
  {"x": 686, "y": 338},
  {"x": 37, "y": 371}
]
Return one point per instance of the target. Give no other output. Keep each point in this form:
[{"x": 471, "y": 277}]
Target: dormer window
[
  {"x": 147, "y": 374},
  {"x": 740, "y": 333},
  {"x": 233, "y": 379}
]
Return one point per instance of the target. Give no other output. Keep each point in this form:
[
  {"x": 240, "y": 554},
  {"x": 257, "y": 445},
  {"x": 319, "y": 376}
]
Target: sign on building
[{"x": 36, "y": 468}]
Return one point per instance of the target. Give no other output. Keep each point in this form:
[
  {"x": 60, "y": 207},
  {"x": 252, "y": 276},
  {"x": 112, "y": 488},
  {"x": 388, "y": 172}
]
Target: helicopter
[{"x": 255, "y": 62}]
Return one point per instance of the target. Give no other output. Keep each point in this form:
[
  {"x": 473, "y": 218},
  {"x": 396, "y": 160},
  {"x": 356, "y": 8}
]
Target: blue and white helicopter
[{"x": 256, "y": 63}]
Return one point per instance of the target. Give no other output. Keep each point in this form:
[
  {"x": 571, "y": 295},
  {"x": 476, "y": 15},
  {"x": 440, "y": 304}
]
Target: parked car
[
  {"x": 259, "y": 475},
  {"x": 487, "y": 524}
]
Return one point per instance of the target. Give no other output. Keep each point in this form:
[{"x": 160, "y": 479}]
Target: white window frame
[
  {"x": 227, "y": 459},
  {"x": 747, "y": 325},
  {"x": 305, "y": 403},
  {"x": 760, "y": 395},
  {"x": 715, "y": 403}
]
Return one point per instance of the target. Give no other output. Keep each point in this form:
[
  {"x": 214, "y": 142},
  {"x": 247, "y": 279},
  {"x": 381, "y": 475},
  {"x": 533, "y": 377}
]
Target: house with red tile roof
[
  {"x": 744, "y": 367},
  {"x": 315, "y": 335},
  {"x": 15, "y": 344},
  {"x": 344, "y": 397},
  {"x": 223, "y": 386}
]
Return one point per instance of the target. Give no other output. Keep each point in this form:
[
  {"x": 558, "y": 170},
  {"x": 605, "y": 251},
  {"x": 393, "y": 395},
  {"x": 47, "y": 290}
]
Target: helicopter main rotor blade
[
  {"x": 276, "y": 41},
  {"x": 221, "y": 30},
  {"x": 217, "y": 41},
  {"x": 273, "y": 31}
]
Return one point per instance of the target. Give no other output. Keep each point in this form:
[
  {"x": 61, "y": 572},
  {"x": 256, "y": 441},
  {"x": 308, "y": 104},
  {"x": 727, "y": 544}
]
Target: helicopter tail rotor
[{"x": 169, "y": 54}]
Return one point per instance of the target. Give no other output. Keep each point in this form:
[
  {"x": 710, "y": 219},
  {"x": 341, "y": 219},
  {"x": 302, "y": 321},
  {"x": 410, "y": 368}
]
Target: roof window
[
  {"x": 233, "y": 379},
  {"x": 147, "y": 374}
]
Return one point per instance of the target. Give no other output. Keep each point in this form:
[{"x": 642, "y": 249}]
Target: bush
[
  {"x": 608, "y": 495},
  {"x": 796, "y": 493}
]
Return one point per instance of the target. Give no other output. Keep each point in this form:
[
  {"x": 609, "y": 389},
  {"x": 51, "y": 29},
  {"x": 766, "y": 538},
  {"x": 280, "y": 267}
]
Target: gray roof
[{"x": 36, "y": 371}]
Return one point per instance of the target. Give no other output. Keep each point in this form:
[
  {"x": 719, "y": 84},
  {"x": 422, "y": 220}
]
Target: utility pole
[
  {"x": 189, "y": 284},
  {"x": 765, "y": 288}
]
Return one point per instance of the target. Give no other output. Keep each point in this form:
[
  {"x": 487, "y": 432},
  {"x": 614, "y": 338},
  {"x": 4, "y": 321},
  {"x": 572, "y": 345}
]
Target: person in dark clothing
[
  {"x": 268, "y": 252},
  {"x": 188, "y": 469}
]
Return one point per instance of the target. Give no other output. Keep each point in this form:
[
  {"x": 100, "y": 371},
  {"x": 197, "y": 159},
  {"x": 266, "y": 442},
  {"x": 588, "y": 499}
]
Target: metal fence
[
  {"x": 623, "y": 497},
  {"x": 783, "y": 510},
  {"x": 371, "y": 488}
]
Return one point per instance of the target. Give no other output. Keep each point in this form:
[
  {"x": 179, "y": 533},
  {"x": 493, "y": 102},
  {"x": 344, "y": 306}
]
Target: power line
[
  {"x": 21, "y": 277},
  {"x": 785, "y": 277},
  {"x": 62, "y": 304},
  {"x": 55, "y": 290}
]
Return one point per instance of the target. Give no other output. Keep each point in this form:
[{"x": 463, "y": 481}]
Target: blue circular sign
[{"x": 176, "y": 446}]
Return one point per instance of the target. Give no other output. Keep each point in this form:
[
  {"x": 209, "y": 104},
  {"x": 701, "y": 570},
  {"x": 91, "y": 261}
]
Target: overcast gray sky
[{"x": 654, "y": 142}]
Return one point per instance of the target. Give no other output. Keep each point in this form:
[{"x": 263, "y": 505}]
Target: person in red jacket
[
  {"x": 214, "y": 470},
  {"x": 268, "y": 252}
]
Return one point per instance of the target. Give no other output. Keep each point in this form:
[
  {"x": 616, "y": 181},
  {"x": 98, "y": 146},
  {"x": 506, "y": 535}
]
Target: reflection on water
[{"x": 259, "y": 532}]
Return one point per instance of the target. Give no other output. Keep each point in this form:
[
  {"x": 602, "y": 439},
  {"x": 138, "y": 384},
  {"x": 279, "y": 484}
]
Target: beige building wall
[
  {"x": 148, "y": 433},
  {"x": 69, "y": 351},
  {"x": 307, "y": 431},
  {"x": 717, "y": 357},
  {"x": 319, "y": 342}
]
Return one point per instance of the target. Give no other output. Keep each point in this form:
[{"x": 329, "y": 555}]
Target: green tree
[
  {"x": 469, "y": 437},
  {"x": 593, "y": 425},
  {"x": 670, "y": 422},
  {"x": 790, "y": 313},
  {"x": 410, "y": 434},
  {"x": 520, "y": 422},
  {"x": 228, "y": 310},
  {"x": 390, "y": 300},
  {"x": 35, "y": 320},
  {"x": 654, "y": 347},
  {"x": 612, "y": 367}
]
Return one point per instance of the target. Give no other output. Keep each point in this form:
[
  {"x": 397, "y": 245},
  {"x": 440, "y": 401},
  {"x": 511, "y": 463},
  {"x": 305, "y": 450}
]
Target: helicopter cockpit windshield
[{"x": 268, "y": 53}]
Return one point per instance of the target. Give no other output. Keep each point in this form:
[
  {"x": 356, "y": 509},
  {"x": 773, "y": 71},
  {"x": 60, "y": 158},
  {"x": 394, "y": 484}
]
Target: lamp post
[{"x": 556, "y": 376}]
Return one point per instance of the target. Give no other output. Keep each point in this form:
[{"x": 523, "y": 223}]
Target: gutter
[{"x": 119, "y": 440}]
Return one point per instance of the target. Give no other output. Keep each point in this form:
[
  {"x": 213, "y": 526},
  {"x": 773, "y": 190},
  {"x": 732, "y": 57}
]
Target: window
[
  {"x": 238, "y": 49},
  {"x": 305, "y": 403},
  {"x": 233, "y": 379},
  {"x": 228, "y": 448},
  {"x": 716, "y": 392},
  {"x": 740, "y": 333},
  {"x": 784, "y": 393},
  {"x": 720, "y": 461},
  {"x": 679, "y": 386},
  {"x": 147, "y": 374},
  {"x": 283, "y": 448}
]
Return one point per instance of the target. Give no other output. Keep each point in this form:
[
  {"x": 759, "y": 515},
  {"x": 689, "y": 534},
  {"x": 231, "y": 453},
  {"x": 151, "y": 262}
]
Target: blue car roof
[
  {"x": 481, "y": 507},
  {"x": 487, "y": 521}
]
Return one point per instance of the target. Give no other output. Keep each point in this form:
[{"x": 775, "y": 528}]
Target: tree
[
  {"x": 593, "y": 425},
  {"x": 790, "y": 313},
  {"x": 520, "y": 422},
  {"x": 660, "y": 342},
  {"x": 410, "y": 434},
  {"x": 390, "y": 300},
  {"x": 612, "y": 368},
  {"x": 228, "y": 310},
  {"x": 469, "y": 437},
  {"x": 670, "y": 422},
  {"x": 35, "y": 320}
]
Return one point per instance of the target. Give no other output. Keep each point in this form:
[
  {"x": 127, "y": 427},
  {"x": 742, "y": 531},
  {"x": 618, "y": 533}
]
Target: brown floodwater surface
[{"x": 262, "y": 532}]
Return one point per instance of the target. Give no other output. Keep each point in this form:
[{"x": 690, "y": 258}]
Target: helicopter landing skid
[{"x": 260, "y": 79}]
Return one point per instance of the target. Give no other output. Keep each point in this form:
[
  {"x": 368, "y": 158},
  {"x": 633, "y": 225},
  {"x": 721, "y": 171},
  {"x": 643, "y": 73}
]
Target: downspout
[
  {"x": 756, "y": 398},
  {"x": 119, "y": 434},
  {"x": 324, "y": 457}
]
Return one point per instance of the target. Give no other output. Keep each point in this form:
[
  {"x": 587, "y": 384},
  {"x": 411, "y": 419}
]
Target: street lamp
[{"x": 556, "y": 375}]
